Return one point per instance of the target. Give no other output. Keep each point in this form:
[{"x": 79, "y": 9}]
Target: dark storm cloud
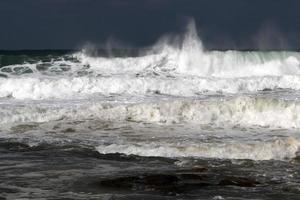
[{"x": 222, "y": 24}]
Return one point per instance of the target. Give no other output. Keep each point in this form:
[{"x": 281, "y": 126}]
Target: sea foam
[{"x": 239, "y": 111}]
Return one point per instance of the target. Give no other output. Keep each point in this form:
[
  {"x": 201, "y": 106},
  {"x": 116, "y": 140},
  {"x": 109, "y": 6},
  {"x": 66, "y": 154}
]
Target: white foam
[
  {"x": 279, "y": 149},
  {"x": 205, "y": 64},
  {"x": 185, "y": 61},
  {"x": 75, "y": 87},
  {"x": 188, "y": 57},
  {"x": 241, "y": 111}
]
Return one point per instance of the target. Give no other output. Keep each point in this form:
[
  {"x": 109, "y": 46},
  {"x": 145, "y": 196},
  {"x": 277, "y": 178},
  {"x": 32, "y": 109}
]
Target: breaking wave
[
  {"x": 278, "y": 150},
  {"x": 76, "y": 87},
  {"x": 176, "y": 81},
  {"x": 169, "y": 67},
  {"x": 240, "y": 111}
]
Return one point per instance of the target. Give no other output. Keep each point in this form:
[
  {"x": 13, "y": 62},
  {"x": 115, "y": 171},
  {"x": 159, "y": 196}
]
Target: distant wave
[{"x": 181, "y": 68}]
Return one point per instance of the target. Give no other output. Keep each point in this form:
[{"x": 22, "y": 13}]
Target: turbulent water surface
[{"x": 170, "y": 122}]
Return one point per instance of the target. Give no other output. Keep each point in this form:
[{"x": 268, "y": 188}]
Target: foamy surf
[
  {"x": 176, "y": 82},
  {"x": 280, "y": 149},
  {"x": 238, "y": 111},
  {"x": 78, "y": 87}
]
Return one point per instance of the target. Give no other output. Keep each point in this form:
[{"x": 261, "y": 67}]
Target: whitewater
[{"x": 201, "y": 104}]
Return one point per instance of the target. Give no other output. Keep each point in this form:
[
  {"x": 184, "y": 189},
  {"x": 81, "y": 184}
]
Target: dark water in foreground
[{"x": 73, "y": 172}]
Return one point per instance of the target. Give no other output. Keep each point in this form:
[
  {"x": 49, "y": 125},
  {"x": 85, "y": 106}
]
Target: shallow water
[{"x": 74, "y": 171}]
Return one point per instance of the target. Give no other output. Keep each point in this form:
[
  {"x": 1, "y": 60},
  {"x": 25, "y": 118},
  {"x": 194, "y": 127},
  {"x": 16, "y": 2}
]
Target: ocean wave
[
  {"x": 240, "y": 111},
  {"x": 76, "y": 87},
  {"x": 182, "y": 69},
  {"x": 279, "y": 149},
  {"x": 187, "y": 56}
]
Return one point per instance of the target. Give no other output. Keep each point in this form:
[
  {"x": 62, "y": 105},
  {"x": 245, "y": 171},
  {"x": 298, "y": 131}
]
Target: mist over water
[{"x": 174, "y": 100}]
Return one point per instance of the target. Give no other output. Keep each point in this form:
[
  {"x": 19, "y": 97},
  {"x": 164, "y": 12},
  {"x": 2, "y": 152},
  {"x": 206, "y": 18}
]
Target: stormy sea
[{"x": 172, "y": 121}]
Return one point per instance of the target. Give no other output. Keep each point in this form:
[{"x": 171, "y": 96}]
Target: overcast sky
[{"x": 222, "y": 24}]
